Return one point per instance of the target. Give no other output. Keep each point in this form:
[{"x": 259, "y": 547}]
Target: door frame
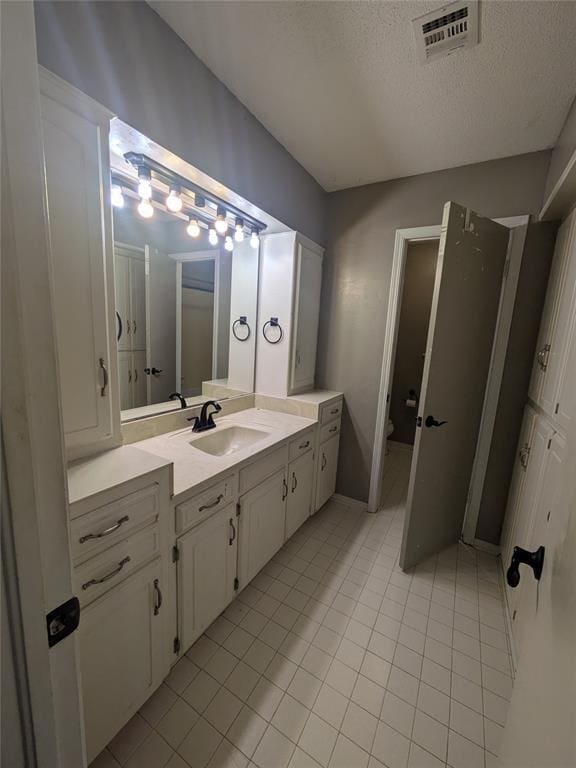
[
  {"x": 198, "y": 256},
  {"x": 36, "y": 510},
  {"x": 401, "y": 242}
]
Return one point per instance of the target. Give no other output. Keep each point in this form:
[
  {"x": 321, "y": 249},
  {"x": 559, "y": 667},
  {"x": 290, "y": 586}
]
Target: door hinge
[
  {"x": 175, "y": 554},
  {"x": 419, "y": 421},
  {"x": 176, "y": 645},
  {"x": 62, "y": 621},
  {"x": 236, "y": 584},
  {"x": 238, "y": 509}
]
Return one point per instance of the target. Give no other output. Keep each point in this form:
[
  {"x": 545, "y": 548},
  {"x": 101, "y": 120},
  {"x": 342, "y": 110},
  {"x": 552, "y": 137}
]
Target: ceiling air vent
[{"x": 443, "y": 31}]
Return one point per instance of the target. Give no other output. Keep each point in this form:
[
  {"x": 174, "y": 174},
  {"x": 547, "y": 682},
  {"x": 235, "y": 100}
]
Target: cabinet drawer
[
  {"x": 206, "y": 503},
  {"x": 330, "y": 411},
  {"x": 100, "y": 573},
  {"x": 262, "y": 468},
  {"x": 105, "y": 526},
  {"x": 329, "y": 430},
  {"x": 300, "y": 445}
]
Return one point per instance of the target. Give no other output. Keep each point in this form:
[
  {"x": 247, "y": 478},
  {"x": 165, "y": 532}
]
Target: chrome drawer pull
[
  {"x": 294, "y": 482},
  {"x": 334, "y": 429},
  {"x": 284, "y": 489},
  {"x": 105, "y": 532},
  {"x": 324, "y": 462},
  {"x": 212, "y": 503},
  {"x": 304, "y": 445},
  {"x": 231, "y": 539},
  {"x": 158, "y": 603},
  {"x": 108, "y": 576}
]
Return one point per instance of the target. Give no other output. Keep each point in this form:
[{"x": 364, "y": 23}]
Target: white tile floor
[{"x": 334, "y": 658}]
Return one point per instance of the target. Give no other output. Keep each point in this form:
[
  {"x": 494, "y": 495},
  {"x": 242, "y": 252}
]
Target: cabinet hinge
[
  {"x": 236, "y": 584},
  {"x": 238, "y": 509},
  {"x": 175, "y": 554},
  {"x": 557, "y": 408},
  {"x": 549, "y": 444},
  {"x": 514, "y": 616},
  {"x": 176, "y": 645}
]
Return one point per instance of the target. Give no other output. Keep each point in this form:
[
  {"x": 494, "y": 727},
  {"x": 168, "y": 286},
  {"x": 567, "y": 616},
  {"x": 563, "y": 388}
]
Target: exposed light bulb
[
  {"x": 212, "y": 236},
  {"x": 254, "y": 239},
  {"x": 228, "y": 243},
  {"x": 116, "y": 196},
  {"x": 144, "y": 179},
  {"x": 174, "y": 201},
  {"x": 221, "y": 223},
  {"x": 239, "y": 230},
  {"x": 145, "y": 208},
  {"x": 193, "y": 228}
]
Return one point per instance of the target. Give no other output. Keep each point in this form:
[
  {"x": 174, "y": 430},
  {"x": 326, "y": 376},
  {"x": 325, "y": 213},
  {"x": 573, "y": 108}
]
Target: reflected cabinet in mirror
[{"x": 185, "y": 314}]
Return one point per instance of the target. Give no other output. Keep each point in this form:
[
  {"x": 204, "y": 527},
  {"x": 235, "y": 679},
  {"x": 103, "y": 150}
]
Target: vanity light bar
[{"x": 171, "y": 179}]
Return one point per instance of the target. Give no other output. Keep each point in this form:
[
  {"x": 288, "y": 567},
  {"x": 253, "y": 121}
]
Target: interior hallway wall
[
  {"x": 419, "y": 274},
  {"x": 361, "y": 228},
  {"x": 127, "y": 58}
]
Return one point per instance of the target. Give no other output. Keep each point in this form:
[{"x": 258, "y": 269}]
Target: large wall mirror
[{"x": 185, "y": 307}]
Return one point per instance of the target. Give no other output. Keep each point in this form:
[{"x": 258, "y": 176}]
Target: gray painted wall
[
  {"x": 419, "y": 276},
  {"x": 127, "y": 58},
  {"x": 563, "y": 150},
  {"x": 530, "y": 295},
  {"x": 356, "y": 279}
]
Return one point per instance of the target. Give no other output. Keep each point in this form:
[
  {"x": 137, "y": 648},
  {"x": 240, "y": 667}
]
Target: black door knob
[
  {"x": 431, "y": 422},
  {"x": 534, "y": 559},
  {"x": 156, "y": 370}
]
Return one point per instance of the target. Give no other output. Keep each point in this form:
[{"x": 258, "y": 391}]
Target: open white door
[
  {"x": 471, "y": 259},
  {"x": 36, "y": 563}
]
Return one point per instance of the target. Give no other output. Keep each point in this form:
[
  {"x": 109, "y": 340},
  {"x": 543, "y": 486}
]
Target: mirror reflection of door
[{"x": 197, "y": 323}]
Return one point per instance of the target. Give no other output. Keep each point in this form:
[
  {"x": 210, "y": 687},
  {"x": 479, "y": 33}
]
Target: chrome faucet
[{"x": 205, "y": 420}]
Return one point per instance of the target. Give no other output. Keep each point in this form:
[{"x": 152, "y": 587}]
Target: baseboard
[
  {"x": 400, "y": 446},
  {"x": 360, "y": 506},
  {"x": 486, "y": 546}
]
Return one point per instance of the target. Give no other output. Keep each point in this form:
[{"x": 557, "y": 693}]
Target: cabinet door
[
  {"x": 139, "y": 379},
  {"x": 206, "y": 573},
  {"x": 122, "y": 291},
  {"x": 299, "y": 502},
  {"x": 546, "y": 505},
  {"x": 544, "y": 379},
  {"x": 306, "y": 313},
  {"x": 262, "y": 521},
  {"x": 78, "y": 205},
  {"x": 122, "y": 658},
  {"x": 534, "y": 459},
  {"x": 327, "y": 468},
  {"x": 138, "y": 302},
  {"x": 125, "y": 379}
]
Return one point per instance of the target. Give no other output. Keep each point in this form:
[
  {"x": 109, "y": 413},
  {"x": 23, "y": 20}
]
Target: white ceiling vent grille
[{"x": 443, "y": 31}]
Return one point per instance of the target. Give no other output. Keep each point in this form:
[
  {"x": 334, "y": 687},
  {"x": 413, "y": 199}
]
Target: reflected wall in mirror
[{"x": 177, "y": 303}]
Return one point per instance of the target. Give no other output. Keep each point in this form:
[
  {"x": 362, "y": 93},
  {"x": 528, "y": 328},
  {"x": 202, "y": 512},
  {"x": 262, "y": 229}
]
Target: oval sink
[{"x": 227, "y": 440}]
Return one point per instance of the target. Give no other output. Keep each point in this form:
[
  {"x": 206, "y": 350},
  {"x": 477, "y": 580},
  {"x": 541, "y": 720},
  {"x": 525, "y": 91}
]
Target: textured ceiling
[{"x": 339, "y": 84}]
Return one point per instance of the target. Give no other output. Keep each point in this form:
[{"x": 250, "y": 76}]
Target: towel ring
[
  {"x": 273, "y": 323},
  {"x": 241, "y": 321}
]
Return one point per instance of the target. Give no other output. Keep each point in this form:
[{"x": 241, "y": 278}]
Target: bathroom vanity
[{"x": 168, "y": 525}]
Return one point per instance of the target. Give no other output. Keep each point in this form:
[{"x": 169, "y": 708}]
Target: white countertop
[
  {"x": 316, "y": 396},
  {"x": 193, "y": 467},
  {"x": 94, "y": 474}
]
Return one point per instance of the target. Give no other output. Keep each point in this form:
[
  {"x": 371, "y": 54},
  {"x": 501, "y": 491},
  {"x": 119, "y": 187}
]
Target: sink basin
[{"x": 228, "y": 440}]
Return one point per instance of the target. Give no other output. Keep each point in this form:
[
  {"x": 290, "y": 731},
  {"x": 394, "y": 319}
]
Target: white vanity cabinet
[
  {"x": 261, "y": 525},
  {"x": 288, "y": 313},
  {"x": 120, "y": 546},
  {"x": 122, "y": 654},
  {"x": 300, "y": 483},
  {"x": 206, "y": 573},
  {"x": 75, "y": 134},
  {"x": 327, "y": 468}
]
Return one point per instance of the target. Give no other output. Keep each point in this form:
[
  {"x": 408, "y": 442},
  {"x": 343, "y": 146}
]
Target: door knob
[
  {"x": 534, "y": 559},
  {"x": 156, "y": 370},
  {"x": 431, "y": 422}
]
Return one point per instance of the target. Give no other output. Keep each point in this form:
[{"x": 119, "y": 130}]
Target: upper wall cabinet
[
  {"x": 288, "y": 312},
  {"x": 75, "y": 132},
  {"x": 553, "y": 377}
]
